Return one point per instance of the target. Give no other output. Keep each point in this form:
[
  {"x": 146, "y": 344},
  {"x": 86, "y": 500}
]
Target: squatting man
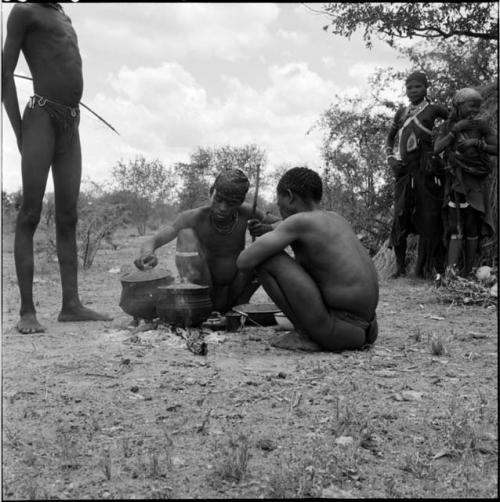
[
  {"x": 329, "y": 290},
  {"x": 219, "y": 230}
]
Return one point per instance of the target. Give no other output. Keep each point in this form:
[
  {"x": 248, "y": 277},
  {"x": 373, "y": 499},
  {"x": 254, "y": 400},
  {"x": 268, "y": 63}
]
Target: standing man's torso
[
  {"x": 426, "y": 118},
  {"x": 51, "y": 50}
]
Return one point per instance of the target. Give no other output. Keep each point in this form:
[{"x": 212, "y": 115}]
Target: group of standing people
[{"x": 441, "y": 179}]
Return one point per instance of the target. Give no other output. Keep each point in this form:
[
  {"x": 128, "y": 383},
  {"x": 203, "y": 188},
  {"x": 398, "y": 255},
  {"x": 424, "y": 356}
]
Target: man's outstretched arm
[{"x": 147, "y": 257}]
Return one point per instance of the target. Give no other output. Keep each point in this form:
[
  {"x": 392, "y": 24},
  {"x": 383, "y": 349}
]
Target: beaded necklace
[
  {"x": 414, "y": 109},
  {"x": 225, "y": 229}
]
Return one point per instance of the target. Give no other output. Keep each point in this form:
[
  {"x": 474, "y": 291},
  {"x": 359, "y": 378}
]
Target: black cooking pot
[
  {"x": 184, "y": 304},
  {"x": 140, "y": 292}
]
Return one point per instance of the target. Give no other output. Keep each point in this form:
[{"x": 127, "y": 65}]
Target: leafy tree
[
  {"x": 11, "y": 202},
  {"x": 205, "y": 163},
  {"x": 392, "y": 20},
  {"x": 356, "y": 178},
  {"x": 98, "y": 217},
  {"x": 448, "y": 67},
  {"x": 147, "y": 182},
  {"x": 195, "y": 185}
]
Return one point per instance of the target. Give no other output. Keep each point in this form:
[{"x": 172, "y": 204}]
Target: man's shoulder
[
  {"x": 245, "y": 210},
  {"x": 399, "y": 115},
  {"x": 308, "y": 219},
  {"x": 193, "y": 213},
  {"x": 23, "y": 12},
  {"x": 400, "y": 111}
]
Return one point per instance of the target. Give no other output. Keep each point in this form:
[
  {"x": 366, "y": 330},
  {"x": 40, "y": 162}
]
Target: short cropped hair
[{"x": 302, "y": 181}]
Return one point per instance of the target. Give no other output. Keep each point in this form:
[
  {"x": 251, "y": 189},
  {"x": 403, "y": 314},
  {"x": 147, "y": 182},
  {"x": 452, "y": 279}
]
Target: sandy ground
[{"x": 99, "y": 410}]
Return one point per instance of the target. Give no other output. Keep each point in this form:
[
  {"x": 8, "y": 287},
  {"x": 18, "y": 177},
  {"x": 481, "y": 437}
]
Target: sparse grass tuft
[
  {"x": 12, "y": 437},
  {"x": 67, "y": 449},
  {"x": 417, "y": 336},
  {"x": 414, "y": 464},
  {"x": 32, "y": 490},
  {"x": 29, "y": 457},
  {"x": 349, "y": 420},
  {"x": 461, "y": 435},
  {"x": 155, "y": 470},
  {"x": 105, "y": 463},
  {"x": 437, "y": 346},
  {"x": 163, "y": 492},
  {"x": 233, "y": 458},
  {"x": 127, "y": 450},
  {"x": 291, "y": 481}
]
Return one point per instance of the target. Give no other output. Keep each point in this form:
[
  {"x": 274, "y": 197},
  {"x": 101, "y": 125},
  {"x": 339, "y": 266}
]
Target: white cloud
[
  {"x": 361, "y": 71},
  {"x": 291, "y": 36},
  {"x": 164, "y": 113},
  {"x": 295, "y": 85},
  {"x": 330, "y": 61},
  {"x": 176, "y": 30},
  {"x": 174, "y": 76}
]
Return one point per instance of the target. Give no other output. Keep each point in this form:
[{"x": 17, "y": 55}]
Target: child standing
[{"x": 467, "y": 142}]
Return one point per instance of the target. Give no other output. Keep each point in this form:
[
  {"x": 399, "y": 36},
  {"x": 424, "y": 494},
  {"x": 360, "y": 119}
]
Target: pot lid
[
  {"x": 183, "y": 286},
  {"x": 151, "y": 274},
  {"x": 257, "y": 308}
]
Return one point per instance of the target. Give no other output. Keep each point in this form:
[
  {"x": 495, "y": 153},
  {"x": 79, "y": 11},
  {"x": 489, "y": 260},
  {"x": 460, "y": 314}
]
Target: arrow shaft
[{"x": 82, "y": 104}]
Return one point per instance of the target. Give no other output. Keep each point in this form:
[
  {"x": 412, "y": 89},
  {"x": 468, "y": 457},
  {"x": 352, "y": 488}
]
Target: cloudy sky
[{"x": 174, "y": 76}]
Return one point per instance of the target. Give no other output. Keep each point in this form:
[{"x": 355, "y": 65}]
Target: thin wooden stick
[
  {"x": 254, "y": 207},
  {"x": 83, "y": 104}
]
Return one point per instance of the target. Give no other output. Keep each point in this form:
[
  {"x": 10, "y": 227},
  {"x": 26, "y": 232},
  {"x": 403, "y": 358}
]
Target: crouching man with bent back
[{"x": 330, "y": 290}]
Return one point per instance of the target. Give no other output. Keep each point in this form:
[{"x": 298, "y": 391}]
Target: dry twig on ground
[{"x": 451, "y": 288}]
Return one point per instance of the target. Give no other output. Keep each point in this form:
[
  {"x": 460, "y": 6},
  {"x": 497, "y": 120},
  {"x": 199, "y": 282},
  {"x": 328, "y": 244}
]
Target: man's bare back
[{"x": 329, "y": 250}]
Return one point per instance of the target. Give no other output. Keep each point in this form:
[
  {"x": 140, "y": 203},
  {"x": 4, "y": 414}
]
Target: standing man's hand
[{"x": 146, "y": 261}]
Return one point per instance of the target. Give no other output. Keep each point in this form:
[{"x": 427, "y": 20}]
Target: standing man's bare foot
[
  {"x": 81, "y": 313},
  {"x": 29, "y": 324}
]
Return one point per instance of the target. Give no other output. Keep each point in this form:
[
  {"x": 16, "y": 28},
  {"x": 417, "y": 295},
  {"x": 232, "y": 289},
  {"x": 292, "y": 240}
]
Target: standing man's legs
[
  {"x": 455, "y": 232},
  {"x": 36, "y": 157},
  {"x": 400, "y": 252},
  {"x": 400, "y": 223},
  {"x": 472, "y": 225},
  {"x": 66, "y": 172}
]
